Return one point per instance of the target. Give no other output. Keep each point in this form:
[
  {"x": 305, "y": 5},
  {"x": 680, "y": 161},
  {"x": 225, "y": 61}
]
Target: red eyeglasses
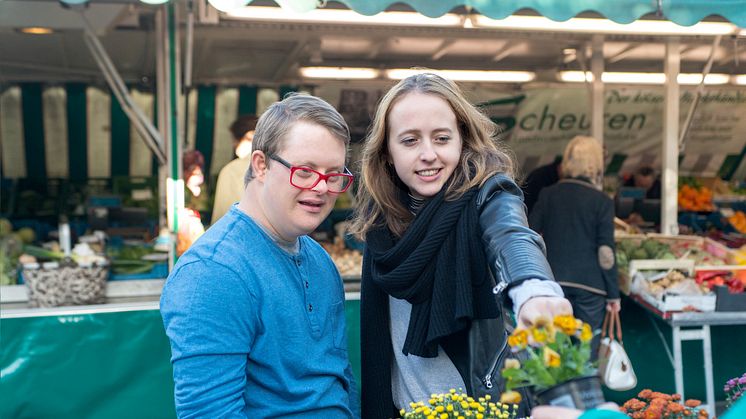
[{"x": 305, "y": 178}]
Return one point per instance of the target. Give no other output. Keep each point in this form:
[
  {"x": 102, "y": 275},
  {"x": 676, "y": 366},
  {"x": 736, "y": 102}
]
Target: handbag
[{"x": 614, "y": 366}]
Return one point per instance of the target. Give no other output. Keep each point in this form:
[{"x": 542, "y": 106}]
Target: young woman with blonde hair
[{"x": 447, "y": 244}]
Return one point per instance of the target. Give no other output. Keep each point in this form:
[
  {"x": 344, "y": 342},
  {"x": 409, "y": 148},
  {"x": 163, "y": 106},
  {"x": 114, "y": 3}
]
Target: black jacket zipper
[{"x": 487, "y": 380}]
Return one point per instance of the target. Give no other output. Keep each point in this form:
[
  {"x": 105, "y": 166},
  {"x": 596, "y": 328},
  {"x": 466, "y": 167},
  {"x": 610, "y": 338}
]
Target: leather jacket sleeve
[{"x": 514, "y": 251}]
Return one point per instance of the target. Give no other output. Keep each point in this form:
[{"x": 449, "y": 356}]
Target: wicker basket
[{"x": 62, "y": 286}]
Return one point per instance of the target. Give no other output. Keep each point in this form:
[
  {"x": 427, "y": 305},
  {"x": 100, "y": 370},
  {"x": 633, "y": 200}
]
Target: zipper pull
[
  {"x": 487, "y": 380},
  {"x": 499, "y": 288}
]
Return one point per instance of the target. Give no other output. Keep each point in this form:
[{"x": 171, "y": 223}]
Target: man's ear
[{"x": 259, "y": 164}]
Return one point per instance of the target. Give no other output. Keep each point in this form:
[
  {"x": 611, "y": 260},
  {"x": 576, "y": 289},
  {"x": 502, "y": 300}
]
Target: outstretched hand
[{"x": 542, "y": 307}]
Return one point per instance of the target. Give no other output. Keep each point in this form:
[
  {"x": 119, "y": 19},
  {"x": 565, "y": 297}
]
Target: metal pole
[
  {"x": 597, "y": 95},
  {"x": 678, "y": 367},
  {"x": 168, "y": 90},
  {"x": 670, "y": 149},
  {"x": 143, "y": 126},
  {"x": 709, "y": 384}
]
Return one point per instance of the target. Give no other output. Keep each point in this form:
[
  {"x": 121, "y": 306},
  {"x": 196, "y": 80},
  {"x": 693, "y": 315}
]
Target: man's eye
[{"x": 304, "y": 173}]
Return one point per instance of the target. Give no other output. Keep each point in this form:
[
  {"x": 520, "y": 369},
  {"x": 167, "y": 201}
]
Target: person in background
[
  {"x": 254, "y": 310},
  {"x": 193, "y": 163},
  {"x": 230, "y": 179},
  {"x": 538, "y": 179},
  {"x": 576, "y": 220},
  {"x": 645, "y": 178},
  {"x": 447, "y": 242}
]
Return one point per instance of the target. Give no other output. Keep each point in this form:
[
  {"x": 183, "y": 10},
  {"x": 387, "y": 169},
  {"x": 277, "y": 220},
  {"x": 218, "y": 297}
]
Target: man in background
[
  {"x": 540, "y": 178},
  {"x": 230, "y": 185}
]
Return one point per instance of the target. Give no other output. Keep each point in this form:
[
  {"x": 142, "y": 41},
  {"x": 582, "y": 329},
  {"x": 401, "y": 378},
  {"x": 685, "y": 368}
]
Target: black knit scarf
[{"x": 439, "y": 266}]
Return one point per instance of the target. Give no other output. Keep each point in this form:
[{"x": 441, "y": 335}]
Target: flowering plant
[
  {"x": 654, "y": 405},
  {"x": 558, "y": 350},
  {"x": 734, "y": 389},
  {"x": 459, "y": 405}
]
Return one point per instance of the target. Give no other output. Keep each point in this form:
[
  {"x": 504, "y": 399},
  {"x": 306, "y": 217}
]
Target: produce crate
[
  {"x": 657, "y": 265},
  {"x": 672, "y": 302},
  {"x": 67, "y": 285},
  {"x": 669, "y": 302},
  {"x": 705, "y": 244}
]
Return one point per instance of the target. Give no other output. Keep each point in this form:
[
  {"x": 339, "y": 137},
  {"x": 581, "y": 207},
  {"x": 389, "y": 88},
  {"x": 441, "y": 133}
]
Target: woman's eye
[
  {"x": 408, "y": 140},
  {"x": 443, "y": 139}
]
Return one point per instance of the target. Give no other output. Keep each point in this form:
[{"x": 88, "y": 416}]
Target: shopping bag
[{"x": 614, "y": 365}]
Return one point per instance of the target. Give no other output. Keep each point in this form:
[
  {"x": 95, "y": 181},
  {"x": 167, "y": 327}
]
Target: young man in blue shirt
[{"x": 254, "y": 310}]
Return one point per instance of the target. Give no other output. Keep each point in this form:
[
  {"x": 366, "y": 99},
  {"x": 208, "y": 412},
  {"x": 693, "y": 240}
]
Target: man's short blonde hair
[{"x": 584, "y": 157}]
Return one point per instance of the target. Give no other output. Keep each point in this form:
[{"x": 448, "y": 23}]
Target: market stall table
[{"x": 692, "y": 326}]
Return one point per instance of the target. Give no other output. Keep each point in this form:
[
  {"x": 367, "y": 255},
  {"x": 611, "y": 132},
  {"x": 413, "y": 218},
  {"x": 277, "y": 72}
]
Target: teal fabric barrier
[
  {"x": 108, "y": 365},
  {"x": 99, "y": 366}
]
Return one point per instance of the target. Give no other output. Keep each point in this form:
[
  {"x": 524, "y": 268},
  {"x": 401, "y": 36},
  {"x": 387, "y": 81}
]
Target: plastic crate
[
  {"x": 160, "y": 270},
  {"x": 729, "y": 302}
]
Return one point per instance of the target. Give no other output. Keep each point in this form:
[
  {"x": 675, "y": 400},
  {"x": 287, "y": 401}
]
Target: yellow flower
[
  {"x": 551, "y": 358},
  {"x": 539, "y": 335},
  {"x": 449, "y": 408},
  {"x": 440, "y": 409},
  {"x": 480, "y": 416},
  {"x": 402, "y": 412},
  {"x": 566, "y": 323},
  {"x": 586, "y": 333},
  {"x": 510, "y": 397},
  {"x": 444, "y": 416},
  {"x": 518, "y": 339},
  {"x": 510, "y": 363}
]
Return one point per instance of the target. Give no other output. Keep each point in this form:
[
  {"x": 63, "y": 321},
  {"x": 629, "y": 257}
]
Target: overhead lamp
[
  {"x": 696, "y": 78},
  {"x": 333, "y": 16},
  {"x": 605, "y": 26},
  {"x": 36, "y": 30},
  {"x": 642, "y": 78},
  {"x": 154, "y": 1},
  {"x": 739, "y": 79},
  {"x": 466, "y": 75},
  {"x": 342, "y": 73}
]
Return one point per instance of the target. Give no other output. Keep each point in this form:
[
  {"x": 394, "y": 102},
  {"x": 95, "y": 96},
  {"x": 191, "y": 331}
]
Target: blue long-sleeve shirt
[{"x": 255, "y": 330}]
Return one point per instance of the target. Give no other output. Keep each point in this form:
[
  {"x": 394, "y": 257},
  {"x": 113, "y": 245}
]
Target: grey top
[{"x": 415, "y": 378}]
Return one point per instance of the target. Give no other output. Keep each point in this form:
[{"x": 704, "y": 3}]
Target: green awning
[{"x": 682, "y": 12}]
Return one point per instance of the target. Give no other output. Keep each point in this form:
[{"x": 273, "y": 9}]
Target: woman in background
[{"x": 576, "y": 220}]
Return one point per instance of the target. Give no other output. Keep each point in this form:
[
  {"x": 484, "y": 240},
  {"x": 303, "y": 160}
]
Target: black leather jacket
[{"x": 515, "y": 253}]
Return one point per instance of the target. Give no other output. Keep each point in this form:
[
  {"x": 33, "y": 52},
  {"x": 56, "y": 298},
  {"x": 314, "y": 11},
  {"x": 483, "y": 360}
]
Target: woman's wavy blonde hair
[
  {"x": 584, "y": 157},
  {"x": 378, "y": 198}
]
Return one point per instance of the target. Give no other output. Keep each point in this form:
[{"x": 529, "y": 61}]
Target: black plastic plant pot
[{"x": 579, "y": 393}]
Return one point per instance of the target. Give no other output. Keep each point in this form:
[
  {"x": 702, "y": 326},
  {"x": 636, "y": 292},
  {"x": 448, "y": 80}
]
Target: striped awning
[
  {"x": 682, "y": 12},
  {"x": 76, "y": 131}
]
